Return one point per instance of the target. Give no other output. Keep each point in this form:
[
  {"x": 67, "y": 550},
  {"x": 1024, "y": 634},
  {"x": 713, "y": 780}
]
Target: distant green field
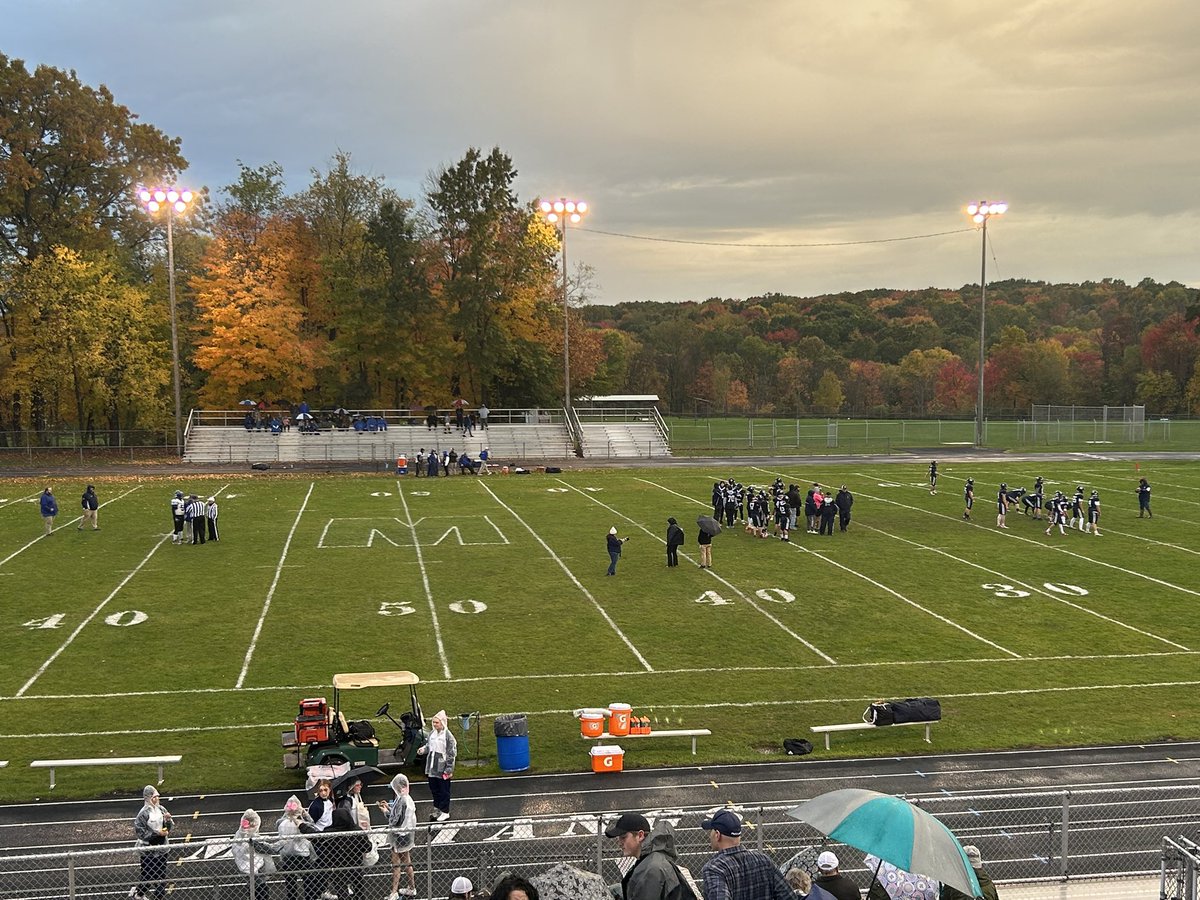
[
  {"x": 493, "y": 591},
  {"x": 822, "y": 436}
]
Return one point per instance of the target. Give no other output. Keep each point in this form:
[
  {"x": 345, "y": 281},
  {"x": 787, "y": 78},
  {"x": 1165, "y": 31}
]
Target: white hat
[
  {"x": 974, "y": 857},
  {"x": 461, "y": 885},
  {"x": 613, "y": 530},
  {"x": 827, "y": 861}
]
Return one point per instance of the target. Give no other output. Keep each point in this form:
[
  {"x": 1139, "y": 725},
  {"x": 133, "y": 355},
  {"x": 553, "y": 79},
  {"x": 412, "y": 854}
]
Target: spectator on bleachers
[
  {"x": 152, "y": 827},
  {"x": 343, "y": 852},
  {"x": 248, "y": 421},
  {"x": 514, "y": 887},
  {"x": 251, "y": 854},
  {"x": 295, "y": 850},
  {"x": 276, "y": 425},
  {"x": 483, "y": 416}
]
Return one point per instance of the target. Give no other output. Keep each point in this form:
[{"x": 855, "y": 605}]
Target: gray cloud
[{"x": 753, "y": 122}]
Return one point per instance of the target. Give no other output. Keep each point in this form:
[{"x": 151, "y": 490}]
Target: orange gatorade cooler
[
  {"x": 610, "y": 758},
  {"x": 619, "y": 715},
  {"x": 591, "y": 725},
  {"x": 401, "y": 465}
]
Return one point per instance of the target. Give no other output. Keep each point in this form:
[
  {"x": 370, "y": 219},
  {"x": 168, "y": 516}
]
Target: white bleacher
[
  {"x": 505, "y": 443},
  {"x": 623, "y": 440}
]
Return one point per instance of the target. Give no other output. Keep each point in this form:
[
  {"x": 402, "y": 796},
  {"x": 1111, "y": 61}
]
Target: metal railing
[{"x": 1039, "y": 840}]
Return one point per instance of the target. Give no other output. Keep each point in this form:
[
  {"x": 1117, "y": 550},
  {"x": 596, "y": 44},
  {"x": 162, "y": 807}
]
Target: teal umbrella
[{"x": 892, "y": 829}]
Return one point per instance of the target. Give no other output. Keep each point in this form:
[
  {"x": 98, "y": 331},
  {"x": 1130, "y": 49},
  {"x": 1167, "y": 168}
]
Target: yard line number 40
[{"x": 122, "y": 619}]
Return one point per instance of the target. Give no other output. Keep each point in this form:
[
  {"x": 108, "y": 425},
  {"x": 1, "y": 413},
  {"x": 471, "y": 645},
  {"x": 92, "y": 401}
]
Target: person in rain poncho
[
  {"x": 251, "y": 854},
  {"x": 440, "y": 752},
  {"x": 402, "y": 818},
  {"x": 152, "y": 827},
  {"x": 295, "y": 850}
]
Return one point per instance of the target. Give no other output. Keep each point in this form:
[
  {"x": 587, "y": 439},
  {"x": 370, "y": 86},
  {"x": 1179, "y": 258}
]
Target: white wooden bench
[
  {"x": 867, "y": 726},
  {"x": 53, "y": 764},
  {"x": 693, "y": 733}
]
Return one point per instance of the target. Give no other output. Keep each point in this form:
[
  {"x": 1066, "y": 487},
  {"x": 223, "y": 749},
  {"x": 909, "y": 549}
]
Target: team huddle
[
  {"x": 193, "y": 519},
  {"x": 775, "y": 511}
]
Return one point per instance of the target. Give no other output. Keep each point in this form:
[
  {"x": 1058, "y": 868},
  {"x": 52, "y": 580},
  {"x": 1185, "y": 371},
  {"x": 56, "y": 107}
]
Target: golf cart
[{"x": 323, "y": 736}]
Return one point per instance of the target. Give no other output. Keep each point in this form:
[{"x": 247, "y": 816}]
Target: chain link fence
[
  {"x": 1180, "y": 867},
  {"x": 1032, "y": 843}
]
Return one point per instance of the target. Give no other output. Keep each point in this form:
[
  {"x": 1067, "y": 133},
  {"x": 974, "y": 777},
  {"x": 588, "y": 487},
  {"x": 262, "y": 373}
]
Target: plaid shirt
[{"x": 739, "y": 874}]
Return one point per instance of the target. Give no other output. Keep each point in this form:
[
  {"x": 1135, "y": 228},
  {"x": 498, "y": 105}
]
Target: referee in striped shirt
[
  {"x": 195, "y": 513},
  {"x": 210, "y": 513}
]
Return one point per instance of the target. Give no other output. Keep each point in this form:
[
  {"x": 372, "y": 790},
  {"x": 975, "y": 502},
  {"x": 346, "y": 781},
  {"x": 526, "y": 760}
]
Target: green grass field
[
  {"x": 739, "y": 436},
  {"x": 493, "y": 591}
]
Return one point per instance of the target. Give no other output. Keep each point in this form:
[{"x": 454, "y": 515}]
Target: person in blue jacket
[{"x": 49, "y": 510}]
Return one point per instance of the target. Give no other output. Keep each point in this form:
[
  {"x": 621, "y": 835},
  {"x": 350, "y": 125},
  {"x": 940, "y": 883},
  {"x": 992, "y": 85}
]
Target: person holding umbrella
[
  {"x": 614, "y": 549},
  {"x": 707, "y": 527}
]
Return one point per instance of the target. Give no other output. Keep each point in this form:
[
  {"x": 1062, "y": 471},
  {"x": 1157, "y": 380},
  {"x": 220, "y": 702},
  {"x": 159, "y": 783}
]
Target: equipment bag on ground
[{"x": 896, "y": 712}]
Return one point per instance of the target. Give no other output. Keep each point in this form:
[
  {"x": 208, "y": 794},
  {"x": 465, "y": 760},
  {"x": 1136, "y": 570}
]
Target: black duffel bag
[
  {"x": 896, "y": 712},
  {"x": 916, "y": 709}
]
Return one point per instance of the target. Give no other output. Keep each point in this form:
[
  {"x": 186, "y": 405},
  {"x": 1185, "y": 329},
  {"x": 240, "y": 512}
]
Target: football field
[{"x": 118, "y": 642}]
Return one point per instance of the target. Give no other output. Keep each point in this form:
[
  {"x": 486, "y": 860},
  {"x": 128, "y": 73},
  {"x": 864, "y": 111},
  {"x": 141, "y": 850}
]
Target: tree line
[{"x": 347, "y": 294}]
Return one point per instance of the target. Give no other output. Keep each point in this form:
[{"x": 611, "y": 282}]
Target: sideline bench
[
  {"x": 864, "y": 726},
  {"x": 53, "y": 764},
  {"x": 693, "y": 733}
]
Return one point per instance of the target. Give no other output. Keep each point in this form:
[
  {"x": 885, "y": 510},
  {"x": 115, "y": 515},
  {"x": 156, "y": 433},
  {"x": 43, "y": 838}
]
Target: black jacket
[{"x": 674, "y": 536}]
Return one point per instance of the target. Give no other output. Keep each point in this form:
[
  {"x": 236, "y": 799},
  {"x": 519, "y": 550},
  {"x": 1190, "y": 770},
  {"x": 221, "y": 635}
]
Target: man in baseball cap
[
  {"x": 655, "y": 875},
  {"x": 735, "y": 873},
  {"x": 461, "y": 888},
  {"x": 832, "y": 881}
]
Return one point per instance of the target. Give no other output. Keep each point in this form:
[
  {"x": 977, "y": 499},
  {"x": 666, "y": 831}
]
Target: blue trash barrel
[{"x": 512, "y": 742}]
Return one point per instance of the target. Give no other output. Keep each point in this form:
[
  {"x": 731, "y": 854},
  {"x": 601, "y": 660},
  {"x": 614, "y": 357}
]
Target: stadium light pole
[
  {"x": 564, "y": 211},
  {"x": 173, "y": 201},
  {"x": 980, "y": 213}
]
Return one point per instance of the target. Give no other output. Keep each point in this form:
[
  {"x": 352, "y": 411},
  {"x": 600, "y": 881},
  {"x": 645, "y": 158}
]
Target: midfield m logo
[{"x": 428, "y": 531}]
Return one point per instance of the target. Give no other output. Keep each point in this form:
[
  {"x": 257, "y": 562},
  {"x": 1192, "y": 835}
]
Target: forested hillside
[{"x": 884, "y": 352}]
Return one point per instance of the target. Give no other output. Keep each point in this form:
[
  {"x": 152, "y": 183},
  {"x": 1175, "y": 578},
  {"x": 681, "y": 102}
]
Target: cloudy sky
[{"x": 723, "y": 124}]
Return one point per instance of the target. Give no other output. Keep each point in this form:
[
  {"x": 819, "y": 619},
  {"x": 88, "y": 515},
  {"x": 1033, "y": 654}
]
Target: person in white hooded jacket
[
  {"x": 295, "y": 850},
  {"x": 152, "y": 827},
  {"x": 252, "y": 854},
  {"x": 402, "y": 818},
  {"x": 440, "y": 752}
]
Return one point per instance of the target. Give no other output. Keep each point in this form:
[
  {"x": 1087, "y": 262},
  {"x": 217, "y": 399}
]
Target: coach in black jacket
[
  {"x": 674, "y": 542},
  {"x": 843, "y": 501}
]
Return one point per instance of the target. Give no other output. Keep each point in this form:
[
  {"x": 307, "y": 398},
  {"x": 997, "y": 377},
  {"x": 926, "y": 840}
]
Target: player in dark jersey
[
  {"x": 1001, "y": 505},
  {"x": 1093, "y": 514},
  {"x": 968, "y": 497},
  {"x": 1058, "y": 513},
  {"x": 933, "y": 477},
  {"x": 1143, "y": 493}
]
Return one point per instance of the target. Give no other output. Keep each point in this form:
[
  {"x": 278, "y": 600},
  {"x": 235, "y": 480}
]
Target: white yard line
[
  {"x": 883, "y": 587},
  {"x": 66, "y": 524},
  {"x": 15, "y": 500},
  {"x": 571, "y": 575},
  {"x": 707, "y": 670},
  {"x": 1033, "y": 588},
  {"x": 95, "y": 612},
  {"x": 709, "y": 704},
  {"x": 1016, "y": 537},
  {"x": 759, "y": 609},
  {"x": 271, "y": 591},
  {"x": 437, "y": 627}
]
